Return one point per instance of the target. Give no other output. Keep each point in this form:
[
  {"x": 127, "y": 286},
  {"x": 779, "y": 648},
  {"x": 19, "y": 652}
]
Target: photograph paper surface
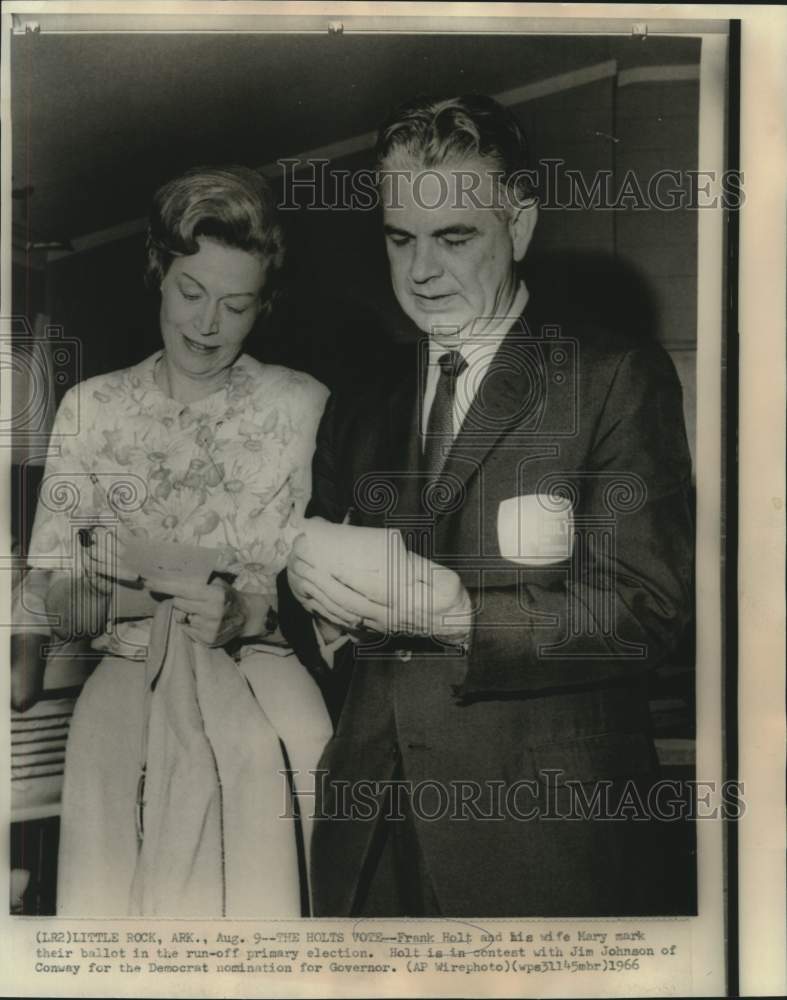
[{"x": 369, "y": 507}]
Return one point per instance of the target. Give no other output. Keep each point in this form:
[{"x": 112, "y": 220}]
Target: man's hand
[
  {"x": 311, "y": 588},
  {"x": 212, "y": 613},
  {"x": 421, "y": 598}
]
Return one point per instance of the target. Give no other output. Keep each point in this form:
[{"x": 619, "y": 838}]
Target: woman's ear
[{"x": 521, "y": 226}]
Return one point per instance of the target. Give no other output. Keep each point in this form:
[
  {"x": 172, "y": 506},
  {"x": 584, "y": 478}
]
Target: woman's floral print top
[{"x": 231, "y": 472}]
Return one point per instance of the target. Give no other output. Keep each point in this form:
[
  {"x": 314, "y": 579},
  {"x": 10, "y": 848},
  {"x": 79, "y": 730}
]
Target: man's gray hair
[{"x": 433, "y": 132}]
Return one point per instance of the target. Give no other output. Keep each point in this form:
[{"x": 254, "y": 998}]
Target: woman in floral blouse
[{"x": 199, "y": 445}]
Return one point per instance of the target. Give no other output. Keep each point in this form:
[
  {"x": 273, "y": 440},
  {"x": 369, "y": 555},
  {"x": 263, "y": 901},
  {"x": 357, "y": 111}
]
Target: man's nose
[
  {"x": 208, "y": 321},
  {"x": 425, "y": 263}
]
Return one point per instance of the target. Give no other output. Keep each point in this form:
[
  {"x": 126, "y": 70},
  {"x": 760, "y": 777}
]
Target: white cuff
[{"x": 328, "y": 649}]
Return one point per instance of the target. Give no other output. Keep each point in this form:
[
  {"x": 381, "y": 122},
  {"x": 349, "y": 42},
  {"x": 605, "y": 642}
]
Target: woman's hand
[
  {"x": 213, "y": 613},
  {"x": 102, "y": 559},
  {"x": 100, "y": 566}
]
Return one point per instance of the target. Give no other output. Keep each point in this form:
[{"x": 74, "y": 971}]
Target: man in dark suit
[{"x": 492, "y": 754}]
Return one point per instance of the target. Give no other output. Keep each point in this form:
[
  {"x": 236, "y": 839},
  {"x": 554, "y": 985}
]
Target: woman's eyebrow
[
  {"x": 229, "y": 295},
  {"x": 192, "y": 278}
]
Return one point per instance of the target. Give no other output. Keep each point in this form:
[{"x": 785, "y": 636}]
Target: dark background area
[{"x": 100, "y": 121}]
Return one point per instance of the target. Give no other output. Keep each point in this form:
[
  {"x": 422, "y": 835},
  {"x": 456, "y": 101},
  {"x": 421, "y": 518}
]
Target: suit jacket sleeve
[{"x": 618, "y": 605}]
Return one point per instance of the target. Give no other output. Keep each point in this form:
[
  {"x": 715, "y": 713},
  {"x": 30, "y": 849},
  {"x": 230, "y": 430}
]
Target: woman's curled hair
[{"x": 233, "y": 205}]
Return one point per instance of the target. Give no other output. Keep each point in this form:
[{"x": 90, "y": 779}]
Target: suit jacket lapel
[{"x": 511, "y": 394}]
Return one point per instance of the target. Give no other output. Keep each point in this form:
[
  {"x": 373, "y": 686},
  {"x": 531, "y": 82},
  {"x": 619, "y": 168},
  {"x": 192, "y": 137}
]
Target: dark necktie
[{"x": 440, "y": 426}]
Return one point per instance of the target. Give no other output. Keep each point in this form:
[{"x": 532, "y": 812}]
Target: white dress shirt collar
[
  {"x": 492, "y": 334},
  {"x": 478, "y": 350}
]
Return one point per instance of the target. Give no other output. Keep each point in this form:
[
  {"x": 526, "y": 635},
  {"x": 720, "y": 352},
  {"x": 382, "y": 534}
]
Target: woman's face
[{"x": 209, "y": 302}]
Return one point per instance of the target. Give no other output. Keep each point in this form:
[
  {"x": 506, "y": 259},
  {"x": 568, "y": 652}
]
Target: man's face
[{"x": 452, "y": 257}]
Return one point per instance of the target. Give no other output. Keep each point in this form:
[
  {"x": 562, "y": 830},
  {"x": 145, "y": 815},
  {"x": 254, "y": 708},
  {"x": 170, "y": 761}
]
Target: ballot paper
[
  {"x": 154, "y": 559},
  {"x": 376, "y": 564},
  {"x": 372, "y": 561},
  {"x": 131, "y": 597}
]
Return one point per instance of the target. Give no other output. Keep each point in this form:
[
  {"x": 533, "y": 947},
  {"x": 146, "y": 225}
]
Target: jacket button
[{"x": 404, "y": 654}]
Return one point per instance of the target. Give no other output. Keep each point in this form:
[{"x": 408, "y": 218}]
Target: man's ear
[{"x": 521, "y": 226}]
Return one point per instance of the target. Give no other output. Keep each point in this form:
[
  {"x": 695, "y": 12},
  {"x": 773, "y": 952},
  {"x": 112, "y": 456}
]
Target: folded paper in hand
[
  {"x": 367, "y": 559},
  {"x": 154, "y": 559},
  {"x": 151, "y": 559}
]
